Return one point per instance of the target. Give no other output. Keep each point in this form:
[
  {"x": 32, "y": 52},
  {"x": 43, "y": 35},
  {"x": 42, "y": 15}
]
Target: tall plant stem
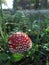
[
  {"x": 1, "y": 10},
  {"x": 3, "y": 19},
  {"x": 3, "y": 33}
]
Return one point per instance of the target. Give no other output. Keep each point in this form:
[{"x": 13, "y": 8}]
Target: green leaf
[
  {"x": 3, "y": 56},
  {"x": 47, "y": 29},
  {"x": 17, "y": 57},
  {"x": 47, "y": 62},
  {"x": 1, "y": 32},
  {"x": 8, "y": 63},
  {"x": 46, "y": 46}
]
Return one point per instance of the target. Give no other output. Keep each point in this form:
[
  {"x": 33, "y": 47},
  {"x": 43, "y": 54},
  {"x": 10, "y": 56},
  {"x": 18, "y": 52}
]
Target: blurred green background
[{"x": 32, "y": 22}]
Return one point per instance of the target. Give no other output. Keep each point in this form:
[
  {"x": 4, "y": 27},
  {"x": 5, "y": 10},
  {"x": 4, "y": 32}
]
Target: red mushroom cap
[{"x": 19, "y": 42}]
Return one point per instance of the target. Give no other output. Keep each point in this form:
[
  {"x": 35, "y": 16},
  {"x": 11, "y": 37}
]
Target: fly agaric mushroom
[{"x": 19, "y": 42}]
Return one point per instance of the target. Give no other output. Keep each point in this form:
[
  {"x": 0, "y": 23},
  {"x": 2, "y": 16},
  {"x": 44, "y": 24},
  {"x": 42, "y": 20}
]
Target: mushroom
[{"x": 19, "y": 42}]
